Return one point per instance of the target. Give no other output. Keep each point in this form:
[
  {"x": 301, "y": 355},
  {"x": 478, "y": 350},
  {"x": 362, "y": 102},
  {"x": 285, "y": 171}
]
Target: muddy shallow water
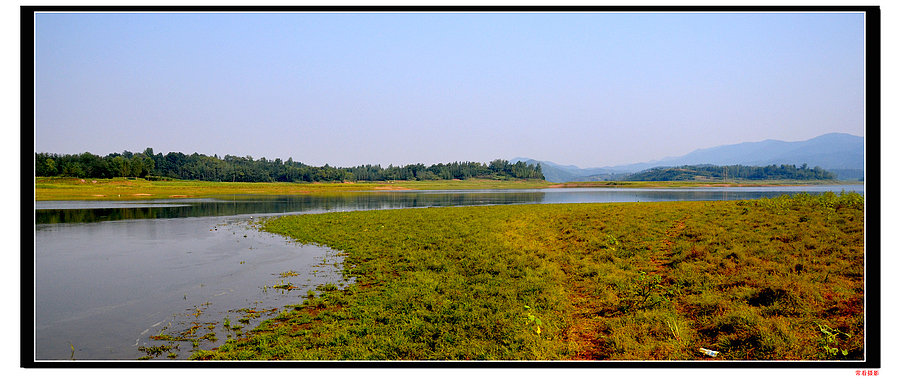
[
  {"x": 106, "y": 288},
  {"x": 108, "y": 276}
]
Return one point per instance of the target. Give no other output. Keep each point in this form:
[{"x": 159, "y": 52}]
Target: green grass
[
  {"x": 770, "y": 279},
  {"x": 136, "y": 189}
]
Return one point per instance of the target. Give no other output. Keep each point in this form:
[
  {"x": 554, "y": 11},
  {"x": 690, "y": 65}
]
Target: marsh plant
[
  {"x": 155, "y": 351},
  {"x": 643, "y": 291},
  {"x": 749, "y": 280},
  {"x": 288, "y": 274},
  {"x": 532, "y": 319},
  {"x": 832, "y": 340}
]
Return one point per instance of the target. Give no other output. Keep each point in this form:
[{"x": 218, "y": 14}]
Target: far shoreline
[{"x": 61, "y": 189}]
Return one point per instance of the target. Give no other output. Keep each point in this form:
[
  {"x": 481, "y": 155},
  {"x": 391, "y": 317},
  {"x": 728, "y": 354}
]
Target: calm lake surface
[{"x": 109, "y": 275}]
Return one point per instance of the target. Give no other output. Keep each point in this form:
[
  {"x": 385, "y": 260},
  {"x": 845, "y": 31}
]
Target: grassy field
[
  {"x": 136, "y": 189},
  {"x": 770, "y": 279}
]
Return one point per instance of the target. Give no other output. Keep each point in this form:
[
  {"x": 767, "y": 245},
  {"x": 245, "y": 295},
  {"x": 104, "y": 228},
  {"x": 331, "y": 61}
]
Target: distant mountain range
[{"x": 840, "y": 153}]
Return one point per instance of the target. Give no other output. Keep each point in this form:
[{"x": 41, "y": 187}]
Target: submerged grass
[{"x": 769, "y": 279}]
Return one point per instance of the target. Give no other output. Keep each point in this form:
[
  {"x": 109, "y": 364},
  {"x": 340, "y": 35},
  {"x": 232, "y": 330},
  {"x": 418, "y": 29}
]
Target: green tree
[
  {"x": 119, "y": 166},
  {"x": 73, "y": 170},
  {"x": 45, "y": 165},
  {"x": 137, "y": 166}
]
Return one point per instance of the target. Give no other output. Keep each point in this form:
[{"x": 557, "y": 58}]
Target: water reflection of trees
[
  {"x": 237, "y": 205},
  {"x": 348, "y": 201},
  {"x": 55, "y": 216}
]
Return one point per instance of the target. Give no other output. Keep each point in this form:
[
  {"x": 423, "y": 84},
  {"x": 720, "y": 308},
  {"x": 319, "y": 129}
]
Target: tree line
[
  {"x": 712, "y": 172},
  {"x": 176, "y": 165}
]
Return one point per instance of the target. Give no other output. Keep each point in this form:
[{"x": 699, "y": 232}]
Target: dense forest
[
  {"x": 711, "y": 172},
  {"x": 177, "y": 165}
]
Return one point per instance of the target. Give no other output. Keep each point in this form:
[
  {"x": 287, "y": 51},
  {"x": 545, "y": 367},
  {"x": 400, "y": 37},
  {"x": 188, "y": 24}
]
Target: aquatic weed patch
[{"x": 651, "y": 281}]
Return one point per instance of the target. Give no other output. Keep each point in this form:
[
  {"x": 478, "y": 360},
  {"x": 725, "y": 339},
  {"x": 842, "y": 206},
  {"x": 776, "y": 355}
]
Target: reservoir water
[{"x": 111, "y": 275}]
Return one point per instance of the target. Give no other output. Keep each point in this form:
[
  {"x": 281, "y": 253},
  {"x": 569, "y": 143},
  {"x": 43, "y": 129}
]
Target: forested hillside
[
  {"x": 177, "y": 165},
  {"x": 711, "y": 172}
]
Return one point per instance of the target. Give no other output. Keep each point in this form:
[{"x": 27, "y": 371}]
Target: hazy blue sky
[{"x": 589, "y": 89}]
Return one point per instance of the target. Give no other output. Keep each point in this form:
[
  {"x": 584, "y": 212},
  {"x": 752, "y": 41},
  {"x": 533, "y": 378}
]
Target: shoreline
[{"x": 61, "y": 189}]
